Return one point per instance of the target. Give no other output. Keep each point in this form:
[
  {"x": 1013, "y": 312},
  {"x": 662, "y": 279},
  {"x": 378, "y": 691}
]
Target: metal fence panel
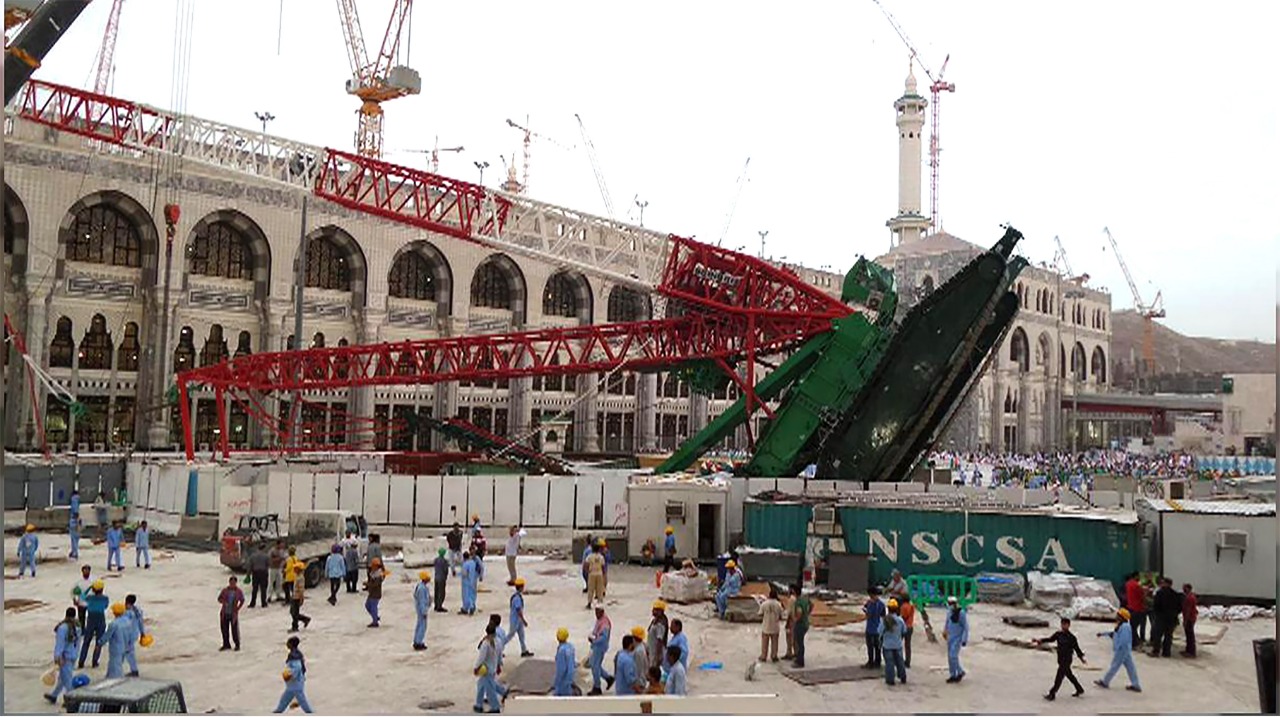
[{"x": 15, "y": 487}]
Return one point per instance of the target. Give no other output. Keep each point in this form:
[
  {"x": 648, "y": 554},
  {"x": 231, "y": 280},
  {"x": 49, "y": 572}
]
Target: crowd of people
[{"x": 1040, "y": 470}]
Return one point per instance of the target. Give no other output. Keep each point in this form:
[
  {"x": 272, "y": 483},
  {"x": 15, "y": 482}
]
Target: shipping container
[
  {"x": 954, "y": 541},
  {"x": 784, "y": 526}
]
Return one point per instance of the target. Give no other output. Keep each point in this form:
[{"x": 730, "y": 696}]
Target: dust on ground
[{"x": 353, "y": 669}]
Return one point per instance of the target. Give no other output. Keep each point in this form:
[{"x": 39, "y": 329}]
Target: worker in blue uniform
[
  {"x": 469, "y": 579},
  {"x": 486, "y": 672},
  {"x": 136, "y": 631},
  {"x": 117, "y": 638},
  {"x": 624, "y": 667},
  {"x": 518, "y": 620},
  {"x": 680, "y": 641},
  {"x": 1121, "y": 653},
  {"x": 295, "y": 679},
  {"x": 66, "y": 643},
  {"x": 28, "y": 545},
  {"x": 566, "y": 665},
  {"x": 669, "y": 550},
  {"x": 95, "y": 624},
  {"x": 956, "y": 633},
  {"x": 115, "y": 538},
  {"x": 732, "y": 586},
  {"x": 421, "y": 606},
  {"x": 599, "y": 646},
  {"x": 142, "y": 546}
]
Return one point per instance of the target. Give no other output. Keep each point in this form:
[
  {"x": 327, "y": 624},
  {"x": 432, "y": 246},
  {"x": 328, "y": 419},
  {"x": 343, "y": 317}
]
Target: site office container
[
  {"x": 781, "y": 525},
  {"x": 697, "y": 512},
  {"x": 955, "y": 541}
]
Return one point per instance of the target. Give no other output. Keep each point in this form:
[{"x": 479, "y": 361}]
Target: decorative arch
[
  {"x": 568, "y": 293},
  {"x": 16, "y": 234},
  {"x": 420, "y": 271},
  {"x": 227, "y": 243},
  {"x": 1044, "y": 353},
  {"x": 1020, "y": 350},
  {"x": 1098, "y": 365},
  {"x": 123, "y": 220},
  {"x": 498, "y": 283},
  {"x": 1062, "y": 360},
  {"x": 626, "y": 304},
  {"x": 336, "y": 261},
  {"x": 1078, "y": 358},
  {"x": 62, "y": 348},
  {"x": 96, "y": 347}
]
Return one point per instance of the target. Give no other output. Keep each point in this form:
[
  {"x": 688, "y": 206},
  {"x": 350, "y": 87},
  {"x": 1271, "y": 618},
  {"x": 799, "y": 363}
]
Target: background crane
[
  {"x": 528, "y": 139},
  {"x": 733, "y": 206},
  {"x": 107, "y": 53},
  {"x": 1148, "y": 312},
  {"x": 936, "y": 88},
  {"x": 595, "y": 167},
  {"x": 376, "y": 80},
  {"x": 434, "y": 153},
  {"x": 1064, "y": 265}
]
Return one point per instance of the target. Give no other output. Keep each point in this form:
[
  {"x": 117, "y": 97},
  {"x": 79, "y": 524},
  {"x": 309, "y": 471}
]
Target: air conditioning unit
[
  {"x": 1232, "y": 540},
  {"x": 675, "y": 511},
  {"x": 824, "y": 520},
  {"x": 1175, "y": 490}
]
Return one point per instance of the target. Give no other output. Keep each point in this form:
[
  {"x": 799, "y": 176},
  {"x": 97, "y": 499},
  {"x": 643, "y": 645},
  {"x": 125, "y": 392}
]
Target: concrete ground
[{"x": 356, "y": 670}]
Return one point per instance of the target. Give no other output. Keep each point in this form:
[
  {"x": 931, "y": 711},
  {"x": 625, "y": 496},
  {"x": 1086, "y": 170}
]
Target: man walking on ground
[
  {"x": 232, "y": 599},
  {"x": 65, "y": 646},
  {"x": 1068, "y": 649},
  {"x": 518, "y": 621},
  {"x": 80, "y": 593},
  {"x": 566, "y": 665},
  {"x": 293, "y": 571},
  {"x": 441, "y": 566},
  {"x": 73, "y": 525},
  {"x": 28, "y": 546},
  {"x": 421, "y": 608},
  {"x": 142, "y": 546},
  {"x": 275, "y": 564},
  {"x": 907, "y": 612},
  {"x": 770, "y": 626},
  {"x": 659, "y": 627},
  {"x": 1121, "y": 652},
  {"x": 624, "y": 668},
  {"x": 351, "y": 562},
  {"x": 297, "y": 596},
  {"x": 594, "y": 567},
  {"x": 96, "y": 604},
  {"x": 599, "y": 640},
  {"x": 677, "y": 678},
  {"x": 875, "y": 610},
  {"x": 115, "y": 538},
  {"x": 259, "y": 578},
  {"x": 335, "y": 568},
  {"x": 470, "y": 576},
  {"x": 512, "y": 550},
  {"x": 1166, "y": 606},
  {"x": 801, "y": 606},
  {"x": 669, "y": 550},
  {"x": 1190, "y": 612},
  {"x": 454, "y": 540},
  {"x": 136, "y": 632},
  {"x": 1135, "y": 600},
  {"x": 892, "y": 631}
]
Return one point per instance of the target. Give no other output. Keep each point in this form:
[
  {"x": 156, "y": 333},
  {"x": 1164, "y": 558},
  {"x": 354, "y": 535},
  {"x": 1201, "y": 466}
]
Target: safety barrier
[{"x": 935, "y": 589}]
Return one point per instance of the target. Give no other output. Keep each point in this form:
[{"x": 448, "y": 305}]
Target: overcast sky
[{"x": 1157, "y": 120}]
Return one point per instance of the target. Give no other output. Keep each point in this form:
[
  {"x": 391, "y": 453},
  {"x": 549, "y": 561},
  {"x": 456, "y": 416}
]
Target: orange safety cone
[{"x": 657, "y": 579}]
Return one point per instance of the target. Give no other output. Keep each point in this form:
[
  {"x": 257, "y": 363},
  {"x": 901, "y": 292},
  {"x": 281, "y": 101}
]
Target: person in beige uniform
[
  {"x": 595, "y": 575},
  {"x": 771, "y": 610}
]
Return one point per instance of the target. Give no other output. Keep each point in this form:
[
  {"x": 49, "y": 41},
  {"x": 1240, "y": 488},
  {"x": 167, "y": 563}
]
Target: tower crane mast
[
  {"x": 936, "y": 87},
  {"x": 378, "y": 79},
  {"x": 595, "y": 167},
  {"x": 107, "y": 53},
  {"x": 528, "y": 139},
  {"x": 1148, "y": 312}
]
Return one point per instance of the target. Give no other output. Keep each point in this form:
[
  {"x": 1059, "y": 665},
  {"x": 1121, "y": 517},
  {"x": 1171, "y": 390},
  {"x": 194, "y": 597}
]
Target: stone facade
[{"x": 85, "y": 255}]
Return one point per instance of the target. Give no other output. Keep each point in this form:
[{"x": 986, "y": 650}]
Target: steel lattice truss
[{"x": 724, "y": 306}]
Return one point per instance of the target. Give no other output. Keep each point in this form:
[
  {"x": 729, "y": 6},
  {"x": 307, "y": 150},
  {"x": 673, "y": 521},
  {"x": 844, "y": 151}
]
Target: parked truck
[{"x": 313, "y": 533}]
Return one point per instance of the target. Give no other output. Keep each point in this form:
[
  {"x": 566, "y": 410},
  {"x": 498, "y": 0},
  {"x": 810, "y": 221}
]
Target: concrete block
[
  {"x": 453, "y": 501},
  {"x": 351, "y": 492},
  {"x": 326, "y": 491},
  {"x": 480, "y": 501},
  {"x": 615, "y": 501},
  {"x": 537, "y": 491},
  {"x": 506, "y": 500},
  {"x": 589, "y": 501},
  {"x": 207, "y": 486},
  {"x": 737, "y": 494},
  {"x": 376, "y": 494},
  {"x": 302, "y": 492},
  {"x": 400, "y": 510},
  {"x": 755, "y": 486},
  {"x": 427, "y": 501},
  {"x": 561, "y": 505},
  {"x": 791, "y": 486}
]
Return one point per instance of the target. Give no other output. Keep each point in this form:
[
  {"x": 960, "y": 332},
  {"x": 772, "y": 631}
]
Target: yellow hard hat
[
  {"x": 117, "y": 609},
  {"x": 287, "y": 674},
  {"x": 562, "y": 634},
  {"x": 98, "y": 585},
  {"x": 146, "y": 640},
  {"x": 637, "y": 632},
  {"x": 600, "y": 542},
  {"x": 424, "y": 576},
  {"x": 893, "y": 604},
  {"x": 1123, "y": 613},
  {"x": 731, "y": 564},
  {"x": 519, "y": 582},
  {"x": 484, "y": 670},
  {"x": 31, "y": 528},
  {"x": 659, "y": 605},
  {"x": 669, "y": 530}
]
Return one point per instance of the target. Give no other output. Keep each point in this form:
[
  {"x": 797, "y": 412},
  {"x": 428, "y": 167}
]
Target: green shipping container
[
  {"x": 951, "y": 542},
  {"x": 784, "y": 526}
]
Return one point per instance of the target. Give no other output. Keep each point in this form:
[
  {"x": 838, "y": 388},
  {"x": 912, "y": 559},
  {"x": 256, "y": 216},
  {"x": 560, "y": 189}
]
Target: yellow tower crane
[{"x": 379, "y": 79}]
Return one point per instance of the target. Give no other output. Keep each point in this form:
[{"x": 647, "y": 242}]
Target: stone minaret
[{"x": 910, "y": 225}]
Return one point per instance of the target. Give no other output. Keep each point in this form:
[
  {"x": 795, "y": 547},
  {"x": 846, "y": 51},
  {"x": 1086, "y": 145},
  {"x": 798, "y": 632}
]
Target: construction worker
[
  {"x": 599, "y": 639},
  {"x": 142, "y": 546},
  {"x": 73, "y": 525},
  {"x": 499, "y": 640},
  {"x": 95, "y": 622},
  {"x": 770, "y": 626},
  {"x": 421, "y": 606},
  {"x": 586, "y": 551},
  {"x": 511, "y": 552},
  {"x": 659, "y": 628},
  {"x": 892, "y": 632},
  {"x": 80, "y": 591},
  {"x": 669, "y": 550},
  {"x": 116, "y": 637},
  {"x": 566, "y": 665},
  {"x": 518, "y": 621},
  {"x": 231, "y": 599},
  {"x": 907, "y": 611},
  {"x": 875, "y": 610},
  {"x": 677, "y": 677},
  {"x": 475, "y": 526},
  {"x": 604, "y": 552},
  {"x": 28, "y": 545},
  {"x": 1190, "y": 613},
  {"x": 295, "y": 678},
  {"x": 680, "y": 641},
  {"x": 624, "y": 668},
  {"x": 293, "y": 570},
  {"x": 441, "y": 566},
  {"x": 275, "y": 560},
  {"x": 373, "y": 585},
  {"x": 297, "y": 596},
  {"x": 1068, "y": 648},
  {"x": 956, "y": 633},
  {"x": 115, "y": 538},
  {"x": 486, "y": 672},
  {"x": 479, "y": 544},
  {"x": 641, "y": 652},
  {"x": 351, "y": 562},
  {"x": 66, "y": 643},
  {"x": 100, "y": 513},
  {"x": 732, "y": 586},
  {"x": 594, "y": 566},
  {"x": 1121, "y": 652},
  {"x": 801, "y": 607},
  {"x": 136, "y": 631},
  {"x": 469, "y": 579},
  {"x": 335, "y": 568},
  {"x": 454, "y": 540}
]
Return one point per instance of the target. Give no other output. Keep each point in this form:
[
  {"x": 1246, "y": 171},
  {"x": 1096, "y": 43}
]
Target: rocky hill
[{"x": 1175, "y": 353}]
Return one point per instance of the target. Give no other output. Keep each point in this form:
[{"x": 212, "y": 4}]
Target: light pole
[
  {"x": 642, "y": 205},
  {"x": 1075, "y": 377},
  {"x": 762, "y": 234},
  {"x": 264, "y": 118},
  {"x": 481, "y": 165}
]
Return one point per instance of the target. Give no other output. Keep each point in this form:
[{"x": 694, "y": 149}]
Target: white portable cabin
[
  {"x": 1225, "y": 549},
  {"x": 696, "y": 509}
]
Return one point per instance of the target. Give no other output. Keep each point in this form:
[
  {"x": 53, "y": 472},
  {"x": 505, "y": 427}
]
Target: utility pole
[
  {"x": 264, "y": 118},
  {"x": 481, "y": 165},
  {"x": 1075, "y": 377},
  {"x": 642, "y": 205},
  {"x": 763, "y": 234}
]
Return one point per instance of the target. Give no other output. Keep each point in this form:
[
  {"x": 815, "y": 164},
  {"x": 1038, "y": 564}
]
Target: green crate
[{"x": 935, "y": 589}]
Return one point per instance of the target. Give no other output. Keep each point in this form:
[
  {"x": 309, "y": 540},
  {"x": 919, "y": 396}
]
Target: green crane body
[{"x": 866, "y": 399}]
